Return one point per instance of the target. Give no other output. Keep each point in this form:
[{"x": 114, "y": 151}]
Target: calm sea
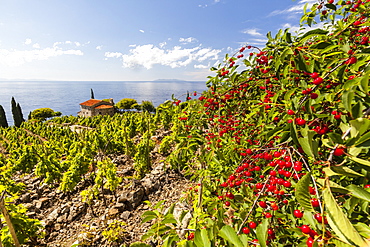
[{"x": 65, "y": 96}]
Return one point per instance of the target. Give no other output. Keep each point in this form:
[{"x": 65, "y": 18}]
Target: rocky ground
[{"x": 69, "y": 221}]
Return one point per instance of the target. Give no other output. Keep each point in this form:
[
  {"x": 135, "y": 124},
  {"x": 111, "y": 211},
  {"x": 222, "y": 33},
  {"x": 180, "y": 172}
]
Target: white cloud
[
  {"x": 149, "y": 55},
  {"x": 201, "y": 66},
  {"x": 141, "y": 31},
  {"x": 16, "y": 58},
  {"x": 163, "y": 44},
  {"x": 113, "y": 54},
  {"x": 99, "y": 47},
  {"x": 253, "y": 32},
  {"x": 298, "y": 8},
  {"x": 36, "y": 46},
  {"x": 28, "y": 41},
  {"x": 187, "y": 40}
]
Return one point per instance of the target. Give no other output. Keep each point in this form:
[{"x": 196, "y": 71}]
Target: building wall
[{"x": 90, "y": 111}]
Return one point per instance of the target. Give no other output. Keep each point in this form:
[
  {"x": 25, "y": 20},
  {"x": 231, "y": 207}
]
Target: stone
[
  {"x": 25, "y": 198},
  {"x": 125, "y": 215}
]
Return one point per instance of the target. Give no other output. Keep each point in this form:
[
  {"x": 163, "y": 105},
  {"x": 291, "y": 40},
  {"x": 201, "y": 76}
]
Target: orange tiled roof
[
  {"x": 91, "y": 102},
  {"x": 104, "y": 107}
]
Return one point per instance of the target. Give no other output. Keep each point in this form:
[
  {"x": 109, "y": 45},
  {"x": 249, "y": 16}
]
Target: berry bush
[{"x": 280, "y": 141}]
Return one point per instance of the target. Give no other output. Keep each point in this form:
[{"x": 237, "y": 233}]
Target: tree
[
  {"x": 44, "y": 113},
  {"x": 19, "y": 109},
  {"x": 147, "y": 106},
  {"x": 3, "y": 121},
  {"x": 17, "y": 113},
  {"x": 92, "y": 93},
  {"x": 126, "y": 104}
]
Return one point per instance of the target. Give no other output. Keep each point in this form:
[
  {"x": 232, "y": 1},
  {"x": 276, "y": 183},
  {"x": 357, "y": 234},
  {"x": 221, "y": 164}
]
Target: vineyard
[{"x": 275, "y": 153}]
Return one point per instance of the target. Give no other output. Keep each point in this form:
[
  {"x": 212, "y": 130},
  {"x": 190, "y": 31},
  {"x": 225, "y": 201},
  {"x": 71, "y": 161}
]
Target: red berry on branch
[
  {"x": 252, "y": 224},
  {"x": 298, "y": 213},
  {"x": 338, "y": 152},
  {"x": 315, "y": 203},
  {"x": 314, "y": 75},
  {"x": 246, "y": 230},
  {"x": 318, "y": 81},
  {"x": 305, "y": 229},
  {"x": 290, "y": 112},
  {"x": 314, "y": 95}
]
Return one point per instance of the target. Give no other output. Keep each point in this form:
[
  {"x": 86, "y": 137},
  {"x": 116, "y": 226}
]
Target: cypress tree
[
  {"x": 92, "y": 93},
  {"x": 3, "y": 121},
  {"x": 16, "y": 113},
  {"x": 19, "y": 109}
]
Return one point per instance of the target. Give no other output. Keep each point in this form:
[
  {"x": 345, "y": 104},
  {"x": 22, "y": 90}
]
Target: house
[{"x": 94, "y": 107}]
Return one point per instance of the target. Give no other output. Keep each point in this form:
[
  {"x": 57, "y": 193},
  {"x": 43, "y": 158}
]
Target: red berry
[
  {"x": 287, "y": 184},
  {"x": 273, "y": 173},
  {"x": 315, "y": 203},
  {"x": 310, "y": 242},
  {"x": 314, "y": 75},
  {"x": 338, "y": 152},
  {"x": 300, "y": 121},
  {"x": 277, "y": 154},
  {"x": 268, "y": 215},
  {"x": 227, "y": 203},
  {"x": 262, "y": 204},
  {"x": 246, "y": 230},
  {"x": 252, "y": 224},
  {"x": 290, "y": 112},
  {"x": 318, "y": 81},
  {"x": 305, "y": 229},
  {"x": 298, "y": 213},
  {"x": 191, "y": 236},
  {"x": 314, "y": 95}
]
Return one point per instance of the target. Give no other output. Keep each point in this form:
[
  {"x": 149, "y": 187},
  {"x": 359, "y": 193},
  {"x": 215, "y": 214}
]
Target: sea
[{"x": 66, "y": 96}]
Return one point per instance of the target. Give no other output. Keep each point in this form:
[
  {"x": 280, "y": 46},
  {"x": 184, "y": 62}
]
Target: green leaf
[
  {"x": 201, "y": 238},
  {"x": 315, "y": 32},
  {"x": 360, "y": 142},
  {"x": 339, "y": 222},
  {"x": 347, "y": 99},
  {"x": 359, "y": 126},
  {"x": 357, "y": 110},
  {"x": 293, "y": 133},
  {"x": 229, "y": 234},
  {"x": 364, "y": 85},
  {"x": 363, "y": 229},
  {"x": 261, "y": 232},
  {"x": 331, "y": 6},
  {"x": 360, "y": 161},
  {"x": 359, "y": 192},
  {"x": 366, "y": 51},
  {"x": 338, "y": 243},
  {"x": 321, "y": 45},
  {"x": 148, "y": 218},
  {"x": 333, "y": 186},
  {"x": 341, "y": 170},
  {"x": 309, "y": 146},
  {"x": 302, "y": 193}
]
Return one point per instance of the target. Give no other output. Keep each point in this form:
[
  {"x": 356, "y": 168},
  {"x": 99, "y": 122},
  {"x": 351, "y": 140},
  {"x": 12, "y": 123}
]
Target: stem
[{"x": 254, "y": 204}]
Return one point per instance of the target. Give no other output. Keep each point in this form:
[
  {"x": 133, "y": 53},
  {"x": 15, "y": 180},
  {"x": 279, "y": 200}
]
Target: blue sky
[{"x": 129, "y": 40}]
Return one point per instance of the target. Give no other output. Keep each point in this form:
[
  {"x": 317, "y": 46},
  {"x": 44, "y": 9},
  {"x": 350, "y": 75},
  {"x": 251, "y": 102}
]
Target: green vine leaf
[
  {"x": 302, "y": 192},
  {"x": 229, "y": 234},
  {"x": 339, "y": 221}
]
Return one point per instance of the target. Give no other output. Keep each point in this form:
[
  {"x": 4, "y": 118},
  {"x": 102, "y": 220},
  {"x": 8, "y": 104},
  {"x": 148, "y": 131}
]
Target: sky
[{"x": 132, "y": 40}]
